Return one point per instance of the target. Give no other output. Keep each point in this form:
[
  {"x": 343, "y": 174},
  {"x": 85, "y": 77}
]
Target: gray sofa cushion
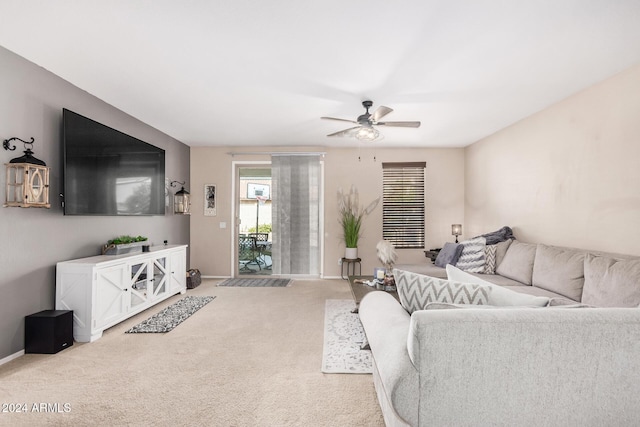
[
  {"x": 416, "y": 291},
  {"x": 449, "y": 254},
  {"x": 518, "y": 262},
  {"x": 565, "y": 302},
  {"x": 526, "y": 366},
  {"x": 559, "y": 270},
  {"x": 610, "y": 282},
  {"x": 501, "y": 251}
]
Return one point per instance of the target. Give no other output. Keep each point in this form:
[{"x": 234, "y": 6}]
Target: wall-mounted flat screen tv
[{"x": 107, "y": 172}]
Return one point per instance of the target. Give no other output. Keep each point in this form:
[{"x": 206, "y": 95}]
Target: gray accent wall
[{"x": 33, "y": 240}]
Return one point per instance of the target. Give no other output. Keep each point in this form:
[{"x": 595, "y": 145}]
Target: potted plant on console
[
  {"x": 124, "y": 245},
  {"x": 351, "y": 215}
]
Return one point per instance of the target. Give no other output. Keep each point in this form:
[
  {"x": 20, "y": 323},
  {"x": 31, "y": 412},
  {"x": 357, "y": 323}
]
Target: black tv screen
[{"x": 107, "y": 172}]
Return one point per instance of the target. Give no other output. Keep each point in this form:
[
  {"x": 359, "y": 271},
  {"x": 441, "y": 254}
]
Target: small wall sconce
[
  {"x": 456, "y": 230},
  {"x": 27, "y": 178},
  {"x": 181, "y": 200}
]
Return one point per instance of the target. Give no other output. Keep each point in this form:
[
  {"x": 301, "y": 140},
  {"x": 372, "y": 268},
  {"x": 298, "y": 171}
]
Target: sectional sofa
[
  {"x": 552, "y": 337},
  {"x": 595, "y": 278}
]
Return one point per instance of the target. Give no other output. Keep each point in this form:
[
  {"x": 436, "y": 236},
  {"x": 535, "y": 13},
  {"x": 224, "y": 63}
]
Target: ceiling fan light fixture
[
  {"x": 367, "y": 134},
  {"x": 365, "y": 130}
]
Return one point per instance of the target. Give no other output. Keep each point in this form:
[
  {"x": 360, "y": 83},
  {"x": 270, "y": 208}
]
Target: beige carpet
[{"x": 251, "y": 357}]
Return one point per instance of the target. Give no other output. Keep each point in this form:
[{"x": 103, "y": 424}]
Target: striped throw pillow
[{"x": 472, "y": 256}]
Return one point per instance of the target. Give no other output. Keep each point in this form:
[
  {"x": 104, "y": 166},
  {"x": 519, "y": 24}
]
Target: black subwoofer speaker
[{"x": 48, "y": 331}]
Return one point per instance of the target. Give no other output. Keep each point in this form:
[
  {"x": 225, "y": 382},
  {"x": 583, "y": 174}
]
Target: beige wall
[
  {"x": 211, "y": 245},
  {"x": 569, "y": 175}
]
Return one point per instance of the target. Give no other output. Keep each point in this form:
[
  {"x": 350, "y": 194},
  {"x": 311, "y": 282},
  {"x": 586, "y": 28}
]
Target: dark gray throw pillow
[{"x": 449, "y": 254}]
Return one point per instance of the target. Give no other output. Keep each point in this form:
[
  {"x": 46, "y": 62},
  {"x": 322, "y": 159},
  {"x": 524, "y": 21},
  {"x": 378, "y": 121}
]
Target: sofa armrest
[
  {"x": 386, "y": 325},
  {"x": 527, "y": 366}
]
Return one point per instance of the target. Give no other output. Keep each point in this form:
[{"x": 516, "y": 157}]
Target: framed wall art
[{"x": 209, "y": 200}]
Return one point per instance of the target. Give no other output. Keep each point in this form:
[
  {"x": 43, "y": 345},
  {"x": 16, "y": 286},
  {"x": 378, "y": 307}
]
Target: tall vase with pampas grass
[
  {"x": 351, "y": 216},
  {"x": 387, "y": 255}
]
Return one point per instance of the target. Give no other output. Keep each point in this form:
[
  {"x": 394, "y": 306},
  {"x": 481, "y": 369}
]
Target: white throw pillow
[{"x": 498, "y": 296}]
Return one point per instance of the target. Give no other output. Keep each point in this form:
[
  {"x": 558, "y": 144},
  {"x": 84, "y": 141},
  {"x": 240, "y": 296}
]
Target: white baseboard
[{"x": 11, "y": 357}]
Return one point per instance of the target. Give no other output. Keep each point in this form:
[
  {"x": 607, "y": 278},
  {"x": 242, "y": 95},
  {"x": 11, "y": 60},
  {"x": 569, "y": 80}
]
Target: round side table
[{"x": 351, "y": 264}]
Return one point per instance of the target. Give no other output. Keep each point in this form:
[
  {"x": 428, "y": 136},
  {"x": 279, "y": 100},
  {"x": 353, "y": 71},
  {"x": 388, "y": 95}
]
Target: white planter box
[{"x": 125, "y": 248}]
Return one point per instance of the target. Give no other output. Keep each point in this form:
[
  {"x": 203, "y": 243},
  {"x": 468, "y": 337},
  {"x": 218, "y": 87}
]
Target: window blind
[{"x": 403, "y": 205}]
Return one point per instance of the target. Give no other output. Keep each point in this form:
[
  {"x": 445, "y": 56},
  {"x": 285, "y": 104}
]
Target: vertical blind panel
[
  {"x": 403, "y": 204},
  {"x": 296, "y": 215}
]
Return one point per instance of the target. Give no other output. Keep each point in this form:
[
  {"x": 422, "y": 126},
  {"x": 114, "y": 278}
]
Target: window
[{"x": 403, "y": 204}]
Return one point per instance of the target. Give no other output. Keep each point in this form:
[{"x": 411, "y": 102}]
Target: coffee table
[{"x": 359, "y": 290}]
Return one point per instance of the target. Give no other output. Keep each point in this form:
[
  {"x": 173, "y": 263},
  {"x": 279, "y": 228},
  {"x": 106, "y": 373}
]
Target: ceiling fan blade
[
  {"x": 400, "y": 124},
  {"x": 380, "y": 113},
  {"x": 341, "y": 120},
  {"x": 346, "y": 132}
]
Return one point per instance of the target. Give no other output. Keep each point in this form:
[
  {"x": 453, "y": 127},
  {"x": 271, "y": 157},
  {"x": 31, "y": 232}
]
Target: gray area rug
[
  {"x": 172, "y": 316},
  {"x": 256, "y": 282},
  {"x": 343, "y": 337}
]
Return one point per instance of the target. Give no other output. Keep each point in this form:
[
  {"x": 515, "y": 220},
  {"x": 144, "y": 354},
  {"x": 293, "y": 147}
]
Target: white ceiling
[{"x": 242, "y": 72}]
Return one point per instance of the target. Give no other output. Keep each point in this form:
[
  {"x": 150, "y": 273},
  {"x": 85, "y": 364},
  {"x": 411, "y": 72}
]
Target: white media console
[{"x": 107, "y": 289}]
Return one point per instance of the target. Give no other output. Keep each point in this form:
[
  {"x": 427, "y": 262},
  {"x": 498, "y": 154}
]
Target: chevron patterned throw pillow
[
  {"x": 417, "y": 290},
  {"x": 490, "y": 259}
]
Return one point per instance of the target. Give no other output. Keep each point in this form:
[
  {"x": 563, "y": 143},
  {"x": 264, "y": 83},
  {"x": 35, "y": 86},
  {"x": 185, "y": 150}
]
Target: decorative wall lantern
[
  {"x": 181, "y": 200},
  {"x": 27, "y": 179}
]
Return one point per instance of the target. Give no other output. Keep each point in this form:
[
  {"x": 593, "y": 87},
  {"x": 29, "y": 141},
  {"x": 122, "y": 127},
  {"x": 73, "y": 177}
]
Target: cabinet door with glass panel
[
  {"x": 149, "y": 281},
  {"x": 160, "y": 280},
  {"x": 139, "y": 285}
]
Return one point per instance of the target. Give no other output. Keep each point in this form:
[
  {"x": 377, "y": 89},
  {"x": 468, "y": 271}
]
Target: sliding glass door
[{"x": 255, "y": 234}]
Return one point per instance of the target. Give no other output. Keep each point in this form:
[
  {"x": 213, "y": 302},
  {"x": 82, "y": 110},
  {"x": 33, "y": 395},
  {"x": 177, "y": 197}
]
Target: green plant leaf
[
  {"x": 122, "y": 240},
  {"x": 351, "y": 215}
]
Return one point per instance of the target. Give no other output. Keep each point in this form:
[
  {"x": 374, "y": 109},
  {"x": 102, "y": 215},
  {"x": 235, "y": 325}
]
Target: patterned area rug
[
  {"x": 172, "y": 316},
  {"x": 256, "y": 282},
  {"x": 343, "y": 337}
]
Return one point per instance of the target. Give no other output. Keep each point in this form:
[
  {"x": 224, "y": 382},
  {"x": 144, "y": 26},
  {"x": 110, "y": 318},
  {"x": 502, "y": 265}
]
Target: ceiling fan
[{"x": 365, "y": 130}]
